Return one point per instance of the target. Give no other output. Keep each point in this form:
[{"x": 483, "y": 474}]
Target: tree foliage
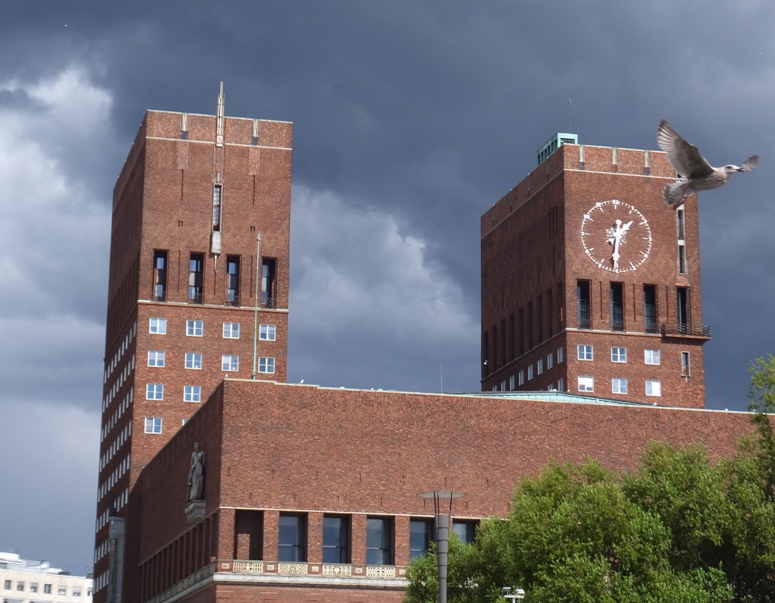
[{"x": 679, "y": 529}]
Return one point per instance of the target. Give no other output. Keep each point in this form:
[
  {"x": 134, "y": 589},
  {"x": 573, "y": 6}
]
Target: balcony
[{"x": 686, "y": 330}]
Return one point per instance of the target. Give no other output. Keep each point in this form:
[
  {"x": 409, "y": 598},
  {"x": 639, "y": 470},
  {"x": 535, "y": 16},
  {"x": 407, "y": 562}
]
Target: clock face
[{"x": 616, "y": 236}]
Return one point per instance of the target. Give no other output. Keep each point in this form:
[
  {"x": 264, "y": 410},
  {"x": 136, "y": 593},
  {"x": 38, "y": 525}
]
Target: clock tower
[{"x": 591, "y": 283}]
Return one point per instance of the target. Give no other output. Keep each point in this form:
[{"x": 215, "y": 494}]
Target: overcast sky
[{"x": 411, "y": 118}]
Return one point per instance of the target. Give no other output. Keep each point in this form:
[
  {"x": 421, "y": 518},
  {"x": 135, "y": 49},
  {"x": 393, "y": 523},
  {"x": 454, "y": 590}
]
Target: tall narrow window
[
  {"x": 420, "y": 536},
  {"x": 379, "y": 541},
  {"x": 268, "y": 275},
  {"x": 195, "y": 272},
  {"x": 617, "y": 307},
  {"x": 682, "y": 309},
  {"x": 232, "y": 280},
  {"x": 680, "y": 219},
  {"x": 160, "y": 275},
  {"x": 680, "y": 216},
  {"x": 336, "y": 539},
  {"x": 292, "y": 541},
  {"x": 681, "y": 257},
  {"x": 582, "y": 300},
  {"x": 217, "y": 190},
  {"x": 685, "y": 367},
  {"x": 650, "y": 308}
]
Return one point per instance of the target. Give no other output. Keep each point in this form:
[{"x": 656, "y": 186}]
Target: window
[
  {"x": 681, "y": 258},
  {"x": 465, "y": 530},
  {"x": 585, "y": 352},
  {"x": 618, "y": 354},
  {"x": 232, "y": 280},
  {"x": 292, "y": 541},
  {"x": 192, "y": 393},
  {"x": 540, "y": 366},
  {"x": 561, "y": 384},
  {"x": 160, "y": 275},
  {"x": 76, "y": 591},
  {"x": 682, "y": 309},
  {"x": 529, "y": 372},
  {"x": 268, "y": 275},
  {"x": 650, "y": 308},
  {"x": 194, "y": 328},
  {"x": 619, "y": 386},
  {"x": 549, "y": 361},
  {"x": 154, "y": 391},
  {"x": 336, "y": 539},
  {"x": 582, "y": 301},
  {"x": 267, "y": 332},
  {"x": 153, "y": 424},
  {"x": 47, "y": 589},
  {"x": 420, "y": 536},
  {"x": 193, "y": 360},
  {"x": 217, "y": 193},
  {"x": 155, "y": 358},
  {"x": 231, "y": 330},
  {"x": 33, "y": 587},
  {"x": 651, "y": 356},
  {"x": 20, "y": 585},
  {"x": 157, "y": 326},
  {"x": 512, "y": 383},
  {"x": 680, "y": 220},
  {"x": 560, "y": 355},
  {"x": 379, "y": 541},
  {"x": 685, "y": 368},
  {"x": 229, "y": 362},
  {"x": 7, "y": 585},
  {"x": 617, "y": 306},
  {"x": 521, "y": 379},
  {"x": 195, "y": 276},
  {"x": 62, "y": 590},
  {"x": 586, "y": 384},
  {"x": 265, "y": 364},
  {"x": 653, "y": 388}
]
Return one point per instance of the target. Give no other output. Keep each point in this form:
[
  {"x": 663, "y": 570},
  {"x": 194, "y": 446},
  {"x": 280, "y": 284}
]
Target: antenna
[{"x": 570, "y": 127}]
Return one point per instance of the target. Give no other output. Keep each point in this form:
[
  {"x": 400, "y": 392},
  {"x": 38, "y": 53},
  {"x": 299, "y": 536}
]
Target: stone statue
[{"x": 196, "y": 475}]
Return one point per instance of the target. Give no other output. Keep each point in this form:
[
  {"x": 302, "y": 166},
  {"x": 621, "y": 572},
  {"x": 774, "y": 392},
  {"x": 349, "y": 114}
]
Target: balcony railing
[{"x": 685, "y": 330}]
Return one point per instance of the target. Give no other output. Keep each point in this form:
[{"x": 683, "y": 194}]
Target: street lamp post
[{"x": 442, "y": 534}]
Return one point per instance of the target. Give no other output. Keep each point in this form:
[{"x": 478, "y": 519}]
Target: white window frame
[
  {"x": 154, "y": 424},
  {"x": 521, "y": 379},
  {"x": 157, "y": 326},
  {"x": 540, "y": 366},
  {"x": 195, "y": 328},
  {"x": 581, "y": 352},
  {"x": 192, "y": 359},
  {"x": 586, "y": 383},
  {"x": 192, "y": 393},
  {"x": 549, "y": 361},
  {"x": 530, "y": 372},
  {"x": 618, "y": 354},
  {"x": 512, "y": 382},
  {"x": 156, "y": 358},
  {"x": 650, "y": 356},
  {"x": 154, "y": 391},
  {"x": 231, "y": 330},
  {"x": 266, "y": 364},
  {"x": 267, "y": 332},
  {"x": 653, "y": 387},
  {"x": 560, "y": 355},
  {"x": 229, "y": 362},
  {"x": 619, "y": 385}
]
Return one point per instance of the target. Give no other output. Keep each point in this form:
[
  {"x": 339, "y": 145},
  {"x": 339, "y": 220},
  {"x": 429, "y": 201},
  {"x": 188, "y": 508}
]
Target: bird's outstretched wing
[
  {"x": 750, "y": 163},
  {"x": 686, "y": 160}
]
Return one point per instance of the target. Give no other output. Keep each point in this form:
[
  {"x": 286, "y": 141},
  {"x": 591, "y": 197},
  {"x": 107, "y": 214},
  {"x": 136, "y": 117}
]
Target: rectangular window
[
  {"x": 560, "y": 355},
  {"x": 229, "y": 362},
  {"x": 653, "y": 388},
  {"x": 561, "y": 384},
  {"x": 522, "y": 377},
  {"x": 33, "y": 587},
  {"x": 7, "y": 585},
  {"x": 618, "y": 354},
  {"x": 540, "y": 366},
  {"x": 585, "y": 352},
  {"x": 529, "y": 372},
  {"x": 619, "y": 386},
  {"x": 583, "y": 308},
  {"x": 194, "y": 328},
  {"x": 155, "y": 358},
  {"x": 152, "y": 425},
  {"x": 549, "y": 361},
  {"x": 685, "y": 367},
  {"x": 46, "y": 589},
  {"x": 420, "y": 537},
  {"x": 682, "y": 308},
  {"x": 157, "y": 326},
  {"x": 292, "y": 541},
  {"x": 265, "y": 364},
  {"x": 681, "y": 258},
  {"x": 62, "y": 591},
  {"x": 232, "y": 280},
  {"x": 217, "y": 193},
  {"x": 160, "y": 275},
  {"x": 192, "y": 393},
  {"x": 193, "y": 360},
  {"x": 231, "y": 330},
  {"x": 267, "y": 332},
  {"x": 651, "y": 356},
  {"x": 20, "y": 585},
  {"x": 154, "y": 391},
  {"x": 650, "y": 308},
  {"x": 680, "y": 217},
  {"x": 379, "y": 541},
  {"x": 195, "y": 277},
  {"x": 336, "y": 539},
  {"x": 617, "y": 306},
  {"x": 465, "y": 530},
  {"x": 586, "y": 384},
  {"x": 268, "y": 276}
]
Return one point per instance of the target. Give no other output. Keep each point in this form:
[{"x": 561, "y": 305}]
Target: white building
[{"x": 24, "y": 581}]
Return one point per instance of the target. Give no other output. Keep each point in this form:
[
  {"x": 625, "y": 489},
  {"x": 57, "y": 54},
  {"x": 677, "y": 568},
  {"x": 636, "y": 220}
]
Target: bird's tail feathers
[{"x": 674, "y": 194}]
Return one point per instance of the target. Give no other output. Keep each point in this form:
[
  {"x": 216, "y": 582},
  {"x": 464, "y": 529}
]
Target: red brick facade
[
  {"x": 546, "y": 235},
  {"x": 192, "y": 186},
  {"x": 276, "y": 448}
]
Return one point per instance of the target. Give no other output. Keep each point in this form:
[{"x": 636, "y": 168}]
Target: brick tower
[
  {"x": 590, "y": 283},
  {"x": 198, "y": 289}
]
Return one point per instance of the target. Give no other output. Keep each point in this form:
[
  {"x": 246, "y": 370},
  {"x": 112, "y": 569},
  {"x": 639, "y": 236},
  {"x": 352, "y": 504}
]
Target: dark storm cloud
[{"x": 410, "y": 119}]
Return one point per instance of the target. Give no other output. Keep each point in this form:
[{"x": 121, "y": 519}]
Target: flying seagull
[{"x": 694, "y": 172}]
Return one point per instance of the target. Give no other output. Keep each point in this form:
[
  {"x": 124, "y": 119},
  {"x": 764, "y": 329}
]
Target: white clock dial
[{"x": 616, "y": 236}]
